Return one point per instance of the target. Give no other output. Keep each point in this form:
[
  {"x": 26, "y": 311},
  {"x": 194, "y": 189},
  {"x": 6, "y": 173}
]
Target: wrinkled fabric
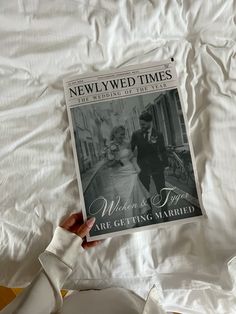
[
  {"x": 65, "y": 245},
  {"x": 42, "y": 42},
  {"x": 43, "y": 295}
]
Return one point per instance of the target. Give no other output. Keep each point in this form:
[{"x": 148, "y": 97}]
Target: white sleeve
[{"x": 43, "y": 295}]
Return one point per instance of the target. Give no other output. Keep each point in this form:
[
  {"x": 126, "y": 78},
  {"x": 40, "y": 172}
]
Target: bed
[{"x": 42, "y": 42}]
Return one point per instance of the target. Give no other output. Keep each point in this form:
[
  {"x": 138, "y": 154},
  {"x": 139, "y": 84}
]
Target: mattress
[{"x": 41, "y": 42}]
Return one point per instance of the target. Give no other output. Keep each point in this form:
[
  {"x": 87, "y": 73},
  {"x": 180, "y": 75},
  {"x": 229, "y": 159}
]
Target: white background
[{"x": 43, "y": 41}]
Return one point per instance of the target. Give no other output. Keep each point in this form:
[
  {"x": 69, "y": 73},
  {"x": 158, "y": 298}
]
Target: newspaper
[{"x": 132, "y": 152}]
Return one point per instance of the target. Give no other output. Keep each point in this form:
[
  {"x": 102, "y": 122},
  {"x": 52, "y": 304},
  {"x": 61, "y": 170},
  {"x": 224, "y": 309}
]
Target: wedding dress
[{"x": 128, "y": 187}]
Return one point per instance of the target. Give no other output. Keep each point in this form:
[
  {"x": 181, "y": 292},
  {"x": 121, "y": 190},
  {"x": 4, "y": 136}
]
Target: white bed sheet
[{"x": 43, "y": 41}]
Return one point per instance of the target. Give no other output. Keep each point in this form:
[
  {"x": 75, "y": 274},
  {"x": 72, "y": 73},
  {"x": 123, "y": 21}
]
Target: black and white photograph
[{"x": 134, "y": 161}]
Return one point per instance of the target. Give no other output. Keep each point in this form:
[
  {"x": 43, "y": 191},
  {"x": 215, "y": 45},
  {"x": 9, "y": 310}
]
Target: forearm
[
  {"x": 43, "y": 296},
  {"x": 40, "y": 297}
]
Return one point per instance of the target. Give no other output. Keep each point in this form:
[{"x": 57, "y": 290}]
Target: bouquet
[{"x": 111, "y": 154}]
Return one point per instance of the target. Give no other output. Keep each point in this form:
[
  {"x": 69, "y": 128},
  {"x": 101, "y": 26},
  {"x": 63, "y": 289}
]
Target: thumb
[{"x": 84, "y": 229}]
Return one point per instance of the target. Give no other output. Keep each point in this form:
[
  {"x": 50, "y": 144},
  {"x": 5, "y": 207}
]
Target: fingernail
[{"x": 90, "y": 222}]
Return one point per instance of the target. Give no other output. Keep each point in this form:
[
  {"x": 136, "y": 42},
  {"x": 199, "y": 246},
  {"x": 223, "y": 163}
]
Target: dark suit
[{"x": 151, "y": 158}]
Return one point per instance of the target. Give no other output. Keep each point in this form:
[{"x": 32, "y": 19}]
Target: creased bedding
[{"x": 43, "y": 41}]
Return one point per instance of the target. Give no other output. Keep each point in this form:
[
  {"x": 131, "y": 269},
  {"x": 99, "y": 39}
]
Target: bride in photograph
[{"x": 125, "y": 170}]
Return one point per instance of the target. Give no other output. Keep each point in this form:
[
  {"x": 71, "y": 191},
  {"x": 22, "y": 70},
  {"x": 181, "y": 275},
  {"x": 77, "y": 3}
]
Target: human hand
[{"x": 74, "y": 223}]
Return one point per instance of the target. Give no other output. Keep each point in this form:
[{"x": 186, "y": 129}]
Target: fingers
[
  {"x": 72, "y": 220},
  {"x": 75, "y": 224},
  {"x": 84, "y": 229},
  {"x": 87, "y": 245}
]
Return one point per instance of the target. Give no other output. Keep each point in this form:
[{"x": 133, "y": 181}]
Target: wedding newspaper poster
[{"x": 131, "y": 147}]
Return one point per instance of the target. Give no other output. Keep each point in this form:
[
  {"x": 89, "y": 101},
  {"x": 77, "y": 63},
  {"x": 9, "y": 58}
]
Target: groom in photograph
[{"x": 151, "y": 154}]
